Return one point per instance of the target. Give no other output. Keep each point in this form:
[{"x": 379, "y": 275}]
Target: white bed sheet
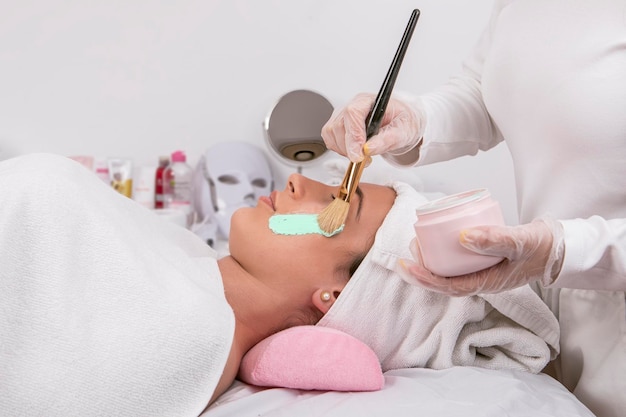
[{"x": 461, "y": 391}]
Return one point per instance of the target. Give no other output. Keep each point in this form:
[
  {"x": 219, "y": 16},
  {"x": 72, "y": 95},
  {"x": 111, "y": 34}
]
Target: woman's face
[{"x": 307, "y": 259}]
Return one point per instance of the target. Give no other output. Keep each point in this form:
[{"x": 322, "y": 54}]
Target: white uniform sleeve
[
  {"x": 457, "y": 121},
  {"x": 595, "y": 254}
]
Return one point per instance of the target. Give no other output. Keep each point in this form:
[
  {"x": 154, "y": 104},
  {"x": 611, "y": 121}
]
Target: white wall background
[{"x": 142, "y": 78}]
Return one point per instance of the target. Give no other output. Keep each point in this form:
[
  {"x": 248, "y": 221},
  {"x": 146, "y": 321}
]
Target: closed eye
[{"x": 359, "y": 193}]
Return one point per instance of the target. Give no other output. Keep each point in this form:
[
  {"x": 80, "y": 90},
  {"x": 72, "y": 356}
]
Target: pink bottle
[{"x": 438, "y": 227}]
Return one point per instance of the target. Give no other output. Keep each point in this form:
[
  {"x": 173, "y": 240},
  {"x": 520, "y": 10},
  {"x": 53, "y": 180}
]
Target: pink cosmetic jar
[{"x": 438, "y": 227}]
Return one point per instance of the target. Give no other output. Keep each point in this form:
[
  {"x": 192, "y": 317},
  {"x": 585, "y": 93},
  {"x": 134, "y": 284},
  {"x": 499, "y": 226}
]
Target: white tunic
[
  {"x": 105, "y": 309},
  {"x": 549, "y": 78}
]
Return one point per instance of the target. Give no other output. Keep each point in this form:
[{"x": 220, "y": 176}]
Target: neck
[{"x": 260, "y": 310}]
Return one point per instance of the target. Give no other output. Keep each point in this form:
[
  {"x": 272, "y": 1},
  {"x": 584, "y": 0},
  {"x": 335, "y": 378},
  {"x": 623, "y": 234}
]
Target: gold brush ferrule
[{"x": 351, "y": 180}]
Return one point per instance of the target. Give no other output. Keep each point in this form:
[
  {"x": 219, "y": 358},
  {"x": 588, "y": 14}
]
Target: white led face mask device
[{"x": 235, "y": 175}]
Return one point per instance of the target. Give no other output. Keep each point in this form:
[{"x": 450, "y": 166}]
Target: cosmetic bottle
[
  {"x": 121, "y": 175},
  {"x": 143, "y": 186},
  {"x": 164, "y": 161},
  {"x": 177, "y": 180}
]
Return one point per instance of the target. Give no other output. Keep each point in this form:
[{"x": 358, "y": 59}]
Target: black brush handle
[{"x": 375, "y": 116}]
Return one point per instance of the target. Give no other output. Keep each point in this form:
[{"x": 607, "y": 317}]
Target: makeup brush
[{"x": 334, "y": 215}]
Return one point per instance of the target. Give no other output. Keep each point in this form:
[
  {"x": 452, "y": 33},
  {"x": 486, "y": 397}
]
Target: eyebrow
[{"x": 359, "y": 192}]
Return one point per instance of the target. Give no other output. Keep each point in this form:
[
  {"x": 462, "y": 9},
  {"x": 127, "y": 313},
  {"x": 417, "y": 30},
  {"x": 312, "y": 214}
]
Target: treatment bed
[{"x": 460, "y": 391}]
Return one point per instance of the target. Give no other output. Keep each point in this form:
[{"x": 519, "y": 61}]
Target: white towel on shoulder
[
  {"x": 105, "y": 309},
  {"x": 408, "y": 326}
]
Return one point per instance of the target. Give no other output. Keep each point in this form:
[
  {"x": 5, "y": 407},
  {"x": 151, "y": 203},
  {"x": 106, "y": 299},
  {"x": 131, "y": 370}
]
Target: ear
[{"x": 324, "y": 298}]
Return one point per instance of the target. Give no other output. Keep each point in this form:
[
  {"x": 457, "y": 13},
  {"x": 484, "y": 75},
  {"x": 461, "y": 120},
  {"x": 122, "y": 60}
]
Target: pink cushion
[{"x": 312, "y": 358}]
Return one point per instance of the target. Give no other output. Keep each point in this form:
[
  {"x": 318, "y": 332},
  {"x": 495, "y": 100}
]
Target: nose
[
  {"x": 295, "y": 185},
  {"x": 304, "y": 195},
  {"x": 300, "y": 186},
  {"x": 303, "y": 188}
]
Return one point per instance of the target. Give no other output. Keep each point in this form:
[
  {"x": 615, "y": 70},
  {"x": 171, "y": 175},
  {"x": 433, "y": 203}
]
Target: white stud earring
[{"x": 325, "y": 296}]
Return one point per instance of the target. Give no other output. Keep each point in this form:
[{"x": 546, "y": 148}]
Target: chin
[
  {"x": 238, "y": 217},
  {"x": 244, "y": 223},
  {"x": 235, "y": 226}
]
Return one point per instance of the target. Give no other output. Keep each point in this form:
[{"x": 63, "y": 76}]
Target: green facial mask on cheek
[{"x": 298, "y": 224}]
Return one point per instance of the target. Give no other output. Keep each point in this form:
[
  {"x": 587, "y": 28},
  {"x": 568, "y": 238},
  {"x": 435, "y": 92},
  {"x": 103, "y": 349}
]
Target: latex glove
[
  {"x": 532, "y": 252},
  {"x": 400, "y": 131}
]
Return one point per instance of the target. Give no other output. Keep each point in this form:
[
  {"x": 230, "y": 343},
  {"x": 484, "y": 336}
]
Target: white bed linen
[
  {"x": 105, "y": 309},
  {"x": 459, "y": 391}
]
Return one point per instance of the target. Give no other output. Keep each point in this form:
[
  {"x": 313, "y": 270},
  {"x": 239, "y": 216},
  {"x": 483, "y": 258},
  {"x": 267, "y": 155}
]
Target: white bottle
[{"x": 177, "y": 180}]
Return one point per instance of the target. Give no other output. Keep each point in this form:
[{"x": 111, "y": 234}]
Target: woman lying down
[{"x": 106, "y": 309}]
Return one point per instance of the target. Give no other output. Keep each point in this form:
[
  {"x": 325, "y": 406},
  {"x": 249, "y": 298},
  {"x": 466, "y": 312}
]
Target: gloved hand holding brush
[
  {"x": 401, "y": 129},
  {"x": 532, "y": 252}
]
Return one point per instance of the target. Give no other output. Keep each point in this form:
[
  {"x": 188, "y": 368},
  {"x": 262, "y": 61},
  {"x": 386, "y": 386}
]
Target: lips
[{"x": 268, "y": 201}]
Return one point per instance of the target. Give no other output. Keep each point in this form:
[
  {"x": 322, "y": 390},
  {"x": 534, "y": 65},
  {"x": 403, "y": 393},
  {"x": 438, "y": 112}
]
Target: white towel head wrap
[{"x": 408, "y": 326}]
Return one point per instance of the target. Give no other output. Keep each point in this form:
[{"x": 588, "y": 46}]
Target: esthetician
[{"x": 549, "y": 78}]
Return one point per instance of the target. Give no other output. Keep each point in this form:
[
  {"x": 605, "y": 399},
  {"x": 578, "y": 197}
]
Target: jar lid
[{"x": 451, "y": 201}]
